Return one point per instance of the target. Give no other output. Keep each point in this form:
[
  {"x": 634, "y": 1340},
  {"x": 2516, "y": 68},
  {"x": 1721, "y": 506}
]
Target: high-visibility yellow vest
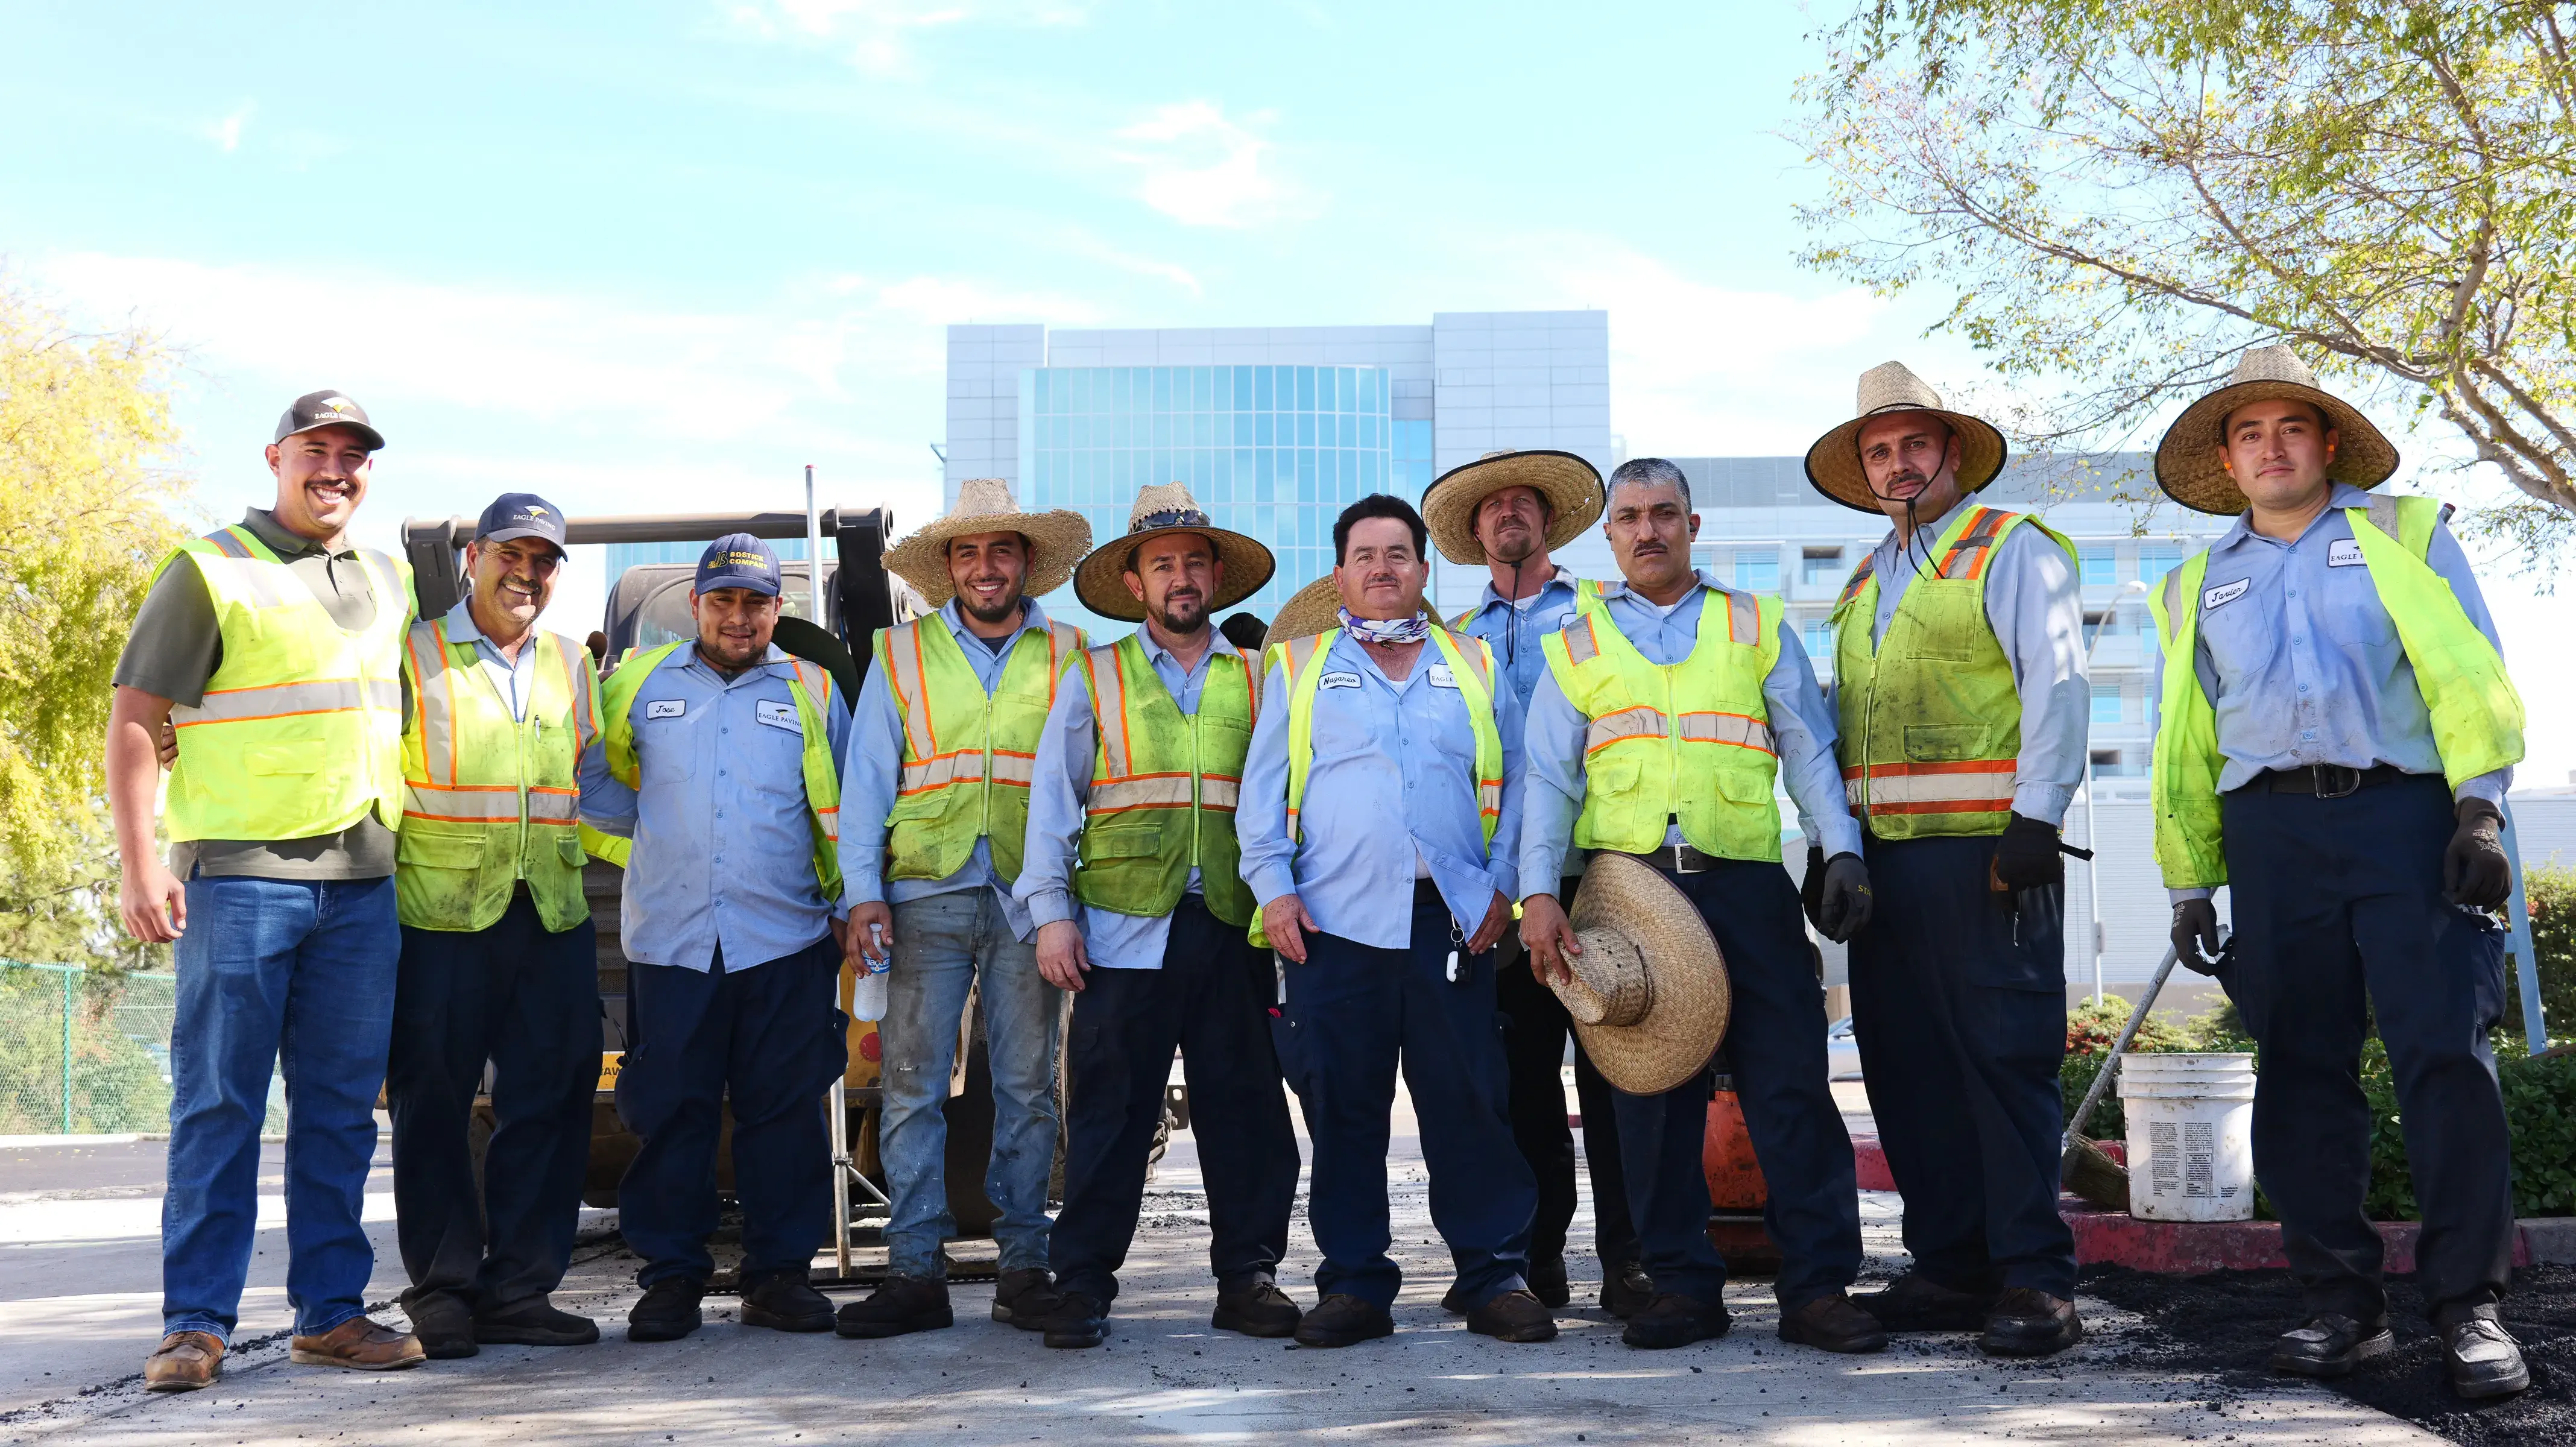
[
  {"x": 1587, "y": 599},
  {"x": 300, "y": 730},
  {"x": 967, "y": 754},
  {"x": 813, "y": 695},
  {"x": 1929, "y": 717},
  {"x": 2476, "y": 714},
  {"x": 491, "y": 800},
  {"x": 1163, "y": 786},
  {"x": 1689, "y": 741},
  {"x": 1470, "y": 667}
]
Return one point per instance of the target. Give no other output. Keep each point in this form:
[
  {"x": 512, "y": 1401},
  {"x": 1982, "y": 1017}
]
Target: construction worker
[
  {"x": 275, "y": 648},
  {"x": 1961, "y": 703},
  {"x": 1507, "y": 512},
  {"x": 718, "y": 756},
  {"x": 1658, "y": 731},
  {"x": 1385, "y": 751},
  {"x": 2337, "y": 732},
  {"x": 499, "y": 959},
  {"x": 1136, "y": 779},
  {"x": 938, "y": 780}
]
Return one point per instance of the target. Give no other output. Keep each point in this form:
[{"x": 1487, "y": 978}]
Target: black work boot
[
  {"x": 2331, "y": 1345},
  {"x": 1341, "y": 1320},
  {"x": 1671, "y": 1319},
  {"x": 901, "y": 1305},
  {"x": 1625, "y": 1288},
  {"x": 1916, "y": 1302},
  {"x": 1833, "y": 1324},
  {"x": 1075, "y": 1320},
  {"x": 2484, "y": 1361},
  {"x": 1026, "y": 1297},
  {"x": 1513, "y": 1316},
  {"x": 534, "y": 1323},
  {"x": 785, "y": 1300},
  {"x": 444, "y": 1322},
  {"x": 669, "y": 1310},
  {"x": 2028, "y": 1322},
  {"x": 1547, "y": 1280},
  {"x": 1258, "y": 1308}
]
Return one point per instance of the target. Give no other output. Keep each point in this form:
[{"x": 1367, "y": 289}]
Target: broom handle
[{"x": 2119, "y": 1047}]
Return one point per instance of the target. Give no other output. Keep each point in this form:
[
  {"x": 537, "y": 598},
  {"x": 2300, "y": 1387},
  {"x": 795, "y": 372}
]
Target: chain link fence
[{"x": 84, "y": 1051}]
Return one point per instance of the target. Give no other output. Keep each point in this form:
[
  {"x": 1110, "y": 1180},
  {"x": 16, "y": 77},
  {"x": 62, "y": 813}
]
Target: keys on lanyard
[{"x": 1453, "y": 973}]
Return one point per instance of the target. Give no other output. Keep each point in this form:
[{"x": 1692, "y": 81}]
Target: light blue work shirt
[
  {"x": 724, "y": 852},
  {"x": 2037, "y": 615},
  {"x": 873, "y": 773},
  {"x": 1058, "y": 790},
  {"x": 1802, "y": 729},
  {"x": 2301, "y": 661},
  {"x": 1385, "y": 751},
  {"x": 513, "y": 679},
  {"x": 1516, "y": 630}
]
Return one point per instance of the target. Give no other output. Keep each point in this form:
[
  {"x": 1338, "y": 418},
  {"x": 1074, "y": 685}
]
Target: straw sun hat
[
  {"x": 1316, "y": 607},
  {"x": 2187, "y": 465},
  {"x": 1649, "y": 997},
  {"x": 1833, "y": 464},
  {"x": 1057, "y": 540},
  {"x": 1571, "y": 486},
  {"x": 1160, "y": 510}
]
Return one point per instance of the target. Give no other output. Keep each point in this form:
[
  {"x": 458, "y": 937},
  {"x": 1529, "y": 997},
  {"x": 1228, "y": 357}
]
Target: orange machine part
[{"x": 1734, "y": 1176}]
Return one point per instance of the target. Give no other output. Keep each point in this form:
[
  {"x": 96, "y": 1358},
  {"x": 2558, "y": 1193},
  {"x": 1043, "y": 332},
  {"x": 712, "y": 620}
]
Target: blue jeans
[
  {"x": 942, "y": 945},
  {"x": 298, "y": 974}
]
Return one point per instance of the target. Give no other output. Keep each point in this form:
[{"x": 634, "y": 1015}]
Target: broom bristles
[{"x": 2090, "y": 1172}]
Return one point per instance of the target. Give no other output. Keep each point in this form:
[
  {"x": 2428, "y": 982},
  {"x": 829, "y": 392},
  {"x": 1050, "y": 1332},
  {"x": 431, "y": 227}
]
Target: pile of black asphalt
[{"x": 2223, "y": 1324}]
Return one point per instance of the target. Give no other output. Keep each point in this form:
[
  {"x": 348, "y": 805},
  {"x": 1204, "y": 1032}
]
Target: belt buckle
[
  {"x": 2344, "y": 774},
  {"x": 1677, "y": 851}
]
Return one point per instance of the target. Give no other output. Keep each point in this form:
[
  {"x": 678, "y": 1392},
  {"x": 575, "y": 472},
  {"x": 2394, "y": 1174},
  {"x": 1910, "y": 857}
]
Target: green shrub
[
  {"x": 2550, "y": 890},
  {"x": 2091, "y": 1030}
]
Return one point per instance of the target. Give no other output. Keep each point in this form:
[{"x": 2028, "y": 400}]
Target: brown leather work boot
[
  {"x": 1832, "y": 1323},
  {"x": 185, "y": 1361},
  {"x": 360, "y": 1345}
]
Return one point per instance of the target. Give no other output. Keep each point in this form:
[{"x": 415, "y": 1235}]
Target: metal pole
[
  {"x": 814, "y": 560},
  {"x": 2093, "y": 874},
  {"x": 67, "y": 1051},
  {"x": 840, "y": 1108},
  {"x": 2111, "y": 1064},
  {"x": 2526, "y": 959}
]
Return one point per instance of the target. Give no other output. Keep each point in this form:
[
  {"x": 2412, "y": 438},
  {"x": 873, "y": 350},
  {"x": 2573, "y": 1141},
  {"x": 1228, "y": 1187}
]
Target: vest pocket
[
  {"x": 1943, "y": 743},
  {"x": 1132, "y": 842},
  {"x": 568, "y": 849},
  {"x": 432, "y": 849},
  {"x": 1744, "y": 786}
]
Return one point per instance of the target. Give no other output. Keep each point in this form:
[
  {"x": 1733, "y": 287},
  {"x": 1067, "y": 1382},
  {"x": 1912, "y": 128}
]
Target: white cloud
[
  {"x": 227, "y": 133},
  {"x": 878, "y": 33},
  {"x": 1202, "y": 169}
]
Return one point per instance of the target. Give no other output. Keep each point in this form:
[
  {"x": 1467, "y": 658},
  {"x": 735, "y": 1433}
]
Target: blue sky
[{"x": 659, "y": 255}]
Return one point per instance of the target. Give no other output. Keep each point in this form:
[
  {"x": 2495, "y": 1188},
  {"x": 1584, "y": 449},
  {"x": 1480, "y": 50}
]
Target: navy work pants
[
  {"x": 1353, "y": 1010},
  {"x": 1535, "y": 1028},
  {"x": 2341, "y": 923},
  {"x": 1211, "y": 1000},
  {"x": 528, "y": 1002},
  {"x": 768, "y": 1041},
  {"x": 1775, "y": 1047},
  {"x": 1959, "y": 1005}
]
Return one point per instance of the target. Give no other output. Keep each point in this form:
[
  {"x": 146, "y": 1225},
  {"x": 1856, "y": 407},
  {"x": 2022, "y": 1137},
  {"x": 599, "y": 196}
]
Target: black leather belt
[
  {"x": 2326, "y": 781},
  {"x": 1674, "y": 858},
  {"x": 1426, "y": 891}
]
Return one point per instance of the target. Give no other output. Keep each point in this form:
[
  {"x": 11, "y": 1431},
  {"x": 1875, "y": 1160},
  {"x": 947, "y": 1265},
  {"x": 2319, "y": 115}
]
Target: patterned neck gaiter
[{"x": 1388, "y": 630}]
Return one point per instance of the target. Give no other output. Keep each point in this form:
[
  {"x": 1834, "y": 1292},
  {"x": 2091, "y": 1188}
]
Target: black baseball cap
[
  {"x": 521, "y": 515},
  {"x": 327, "y": 408},
  {"x": 738, "y": 560}
]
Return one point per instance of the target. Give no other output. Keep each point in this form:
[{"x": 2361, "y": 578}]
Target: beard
[
  {"x": 1001, "y": 612},
  {"x": 1183, "y": 616}
]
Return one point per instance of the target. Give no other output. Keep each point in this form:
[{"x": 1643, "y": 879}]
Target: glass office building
[{"x": 1274, "y": 452}]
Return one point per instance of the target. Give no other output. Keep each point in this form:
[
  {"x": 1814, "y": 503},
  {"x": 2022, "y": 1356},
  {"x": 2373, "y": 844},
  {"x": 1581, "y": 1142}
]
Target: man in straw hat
[
  {"x": 1385, "y": 752},
  {"x": 938, "y": 781},
  {"x": 1657, "y": 732},
  {"x": 1507, "y": 511},
  {"x": 2336, "y": 732},
  {"x": 1132, "y": 815},
  {"x": 1962, "y": 706}
]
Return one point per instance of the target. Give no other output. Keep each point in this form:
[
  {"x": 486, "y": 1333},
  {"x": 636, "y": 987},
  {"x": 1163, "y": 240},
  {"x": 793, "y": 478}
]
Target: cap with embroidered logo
[
  {"x": 521, "y": 515},
  {"x": 328, "y": 408},
  {"x": 738, "y": 560}
]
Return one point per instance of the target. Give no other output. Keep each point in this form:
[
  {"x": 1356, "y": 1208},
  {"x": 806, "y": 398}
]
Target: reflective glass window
[
  {"x": 2101, "y": 564},
  {"x": 1757, "y": 570}
]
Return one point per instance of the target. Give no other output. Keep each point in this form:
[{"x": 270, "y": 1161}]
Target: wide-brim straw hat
[
  {"x": 1316, "y": 607},
  {"x": 1057, "y": 540},
  {"x": 1571, "y": 486},
  {"x": 2187, "y": 465},
  {"x": 1833, "y": 464},
  {"x": 1169, "y": 509},
  {"x": 1649, "y": 997}
]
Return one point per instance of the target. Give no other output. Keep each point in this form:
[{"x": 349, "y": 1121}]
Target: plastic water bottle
[{"x": 868, "y": 999}]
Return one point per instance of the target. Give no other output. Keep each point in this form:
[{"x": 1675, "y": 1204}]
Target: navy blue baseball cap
[
  {"x": 738, "y": 560},
  {"x": 521, "y": 515}
]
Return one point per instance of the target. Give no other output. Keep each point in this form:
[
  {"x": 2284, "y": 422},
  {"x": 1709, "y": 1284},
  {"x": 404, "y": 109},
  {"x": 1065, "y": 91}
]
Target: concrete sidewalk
[{"x": 1163, "y": 1375}]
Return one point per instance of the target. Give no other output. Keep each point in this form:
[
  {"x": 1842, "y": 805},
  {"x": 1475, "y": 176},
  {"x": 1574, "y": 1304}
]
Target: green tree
[
  {"x": 87, "y": 500},
  {"x": 2128, "y": 195}
]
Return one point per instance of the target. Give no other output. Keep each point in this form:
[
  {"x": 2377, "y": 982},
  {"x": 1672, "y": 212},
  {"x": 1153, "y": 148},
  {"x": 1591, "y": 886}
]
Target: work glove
[
  {"x": 1842, "y": 906},
  {"x": 2026, "y": 857},
  {"x": 1811, "y": 886},
  {"x": 2195, "y": 935},
  {"x": 2474, "y": 870}
]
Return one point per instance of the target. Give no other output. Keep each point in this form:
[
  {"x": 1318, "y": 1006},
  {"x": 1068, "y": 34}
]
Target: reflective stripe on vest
[
  {"x": 968, "y": 755},
  {"x": 1135, "y": 855},
  {"x": 299, "y": 733},
  {"x": 2477, "y": 715}
]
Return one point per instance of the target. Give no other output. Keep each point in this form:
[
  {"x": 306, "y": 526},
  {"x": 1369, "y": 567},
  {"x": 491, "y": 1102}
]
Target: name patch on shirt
[
  {"x": 1441, "y": 677},
  {"x": 2224, "y": 593},
  {"x": 665, "y": 707},
  {"x": 2345, "y": 553},
  {"x": 1338, "y": 680},
  {"x": 778, "y": 715}
]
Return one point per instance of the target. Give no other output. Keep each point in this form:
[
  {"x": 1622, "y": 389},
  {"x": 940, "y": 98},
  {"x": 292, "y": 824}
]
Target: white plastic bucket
[{"x": 2191, "y": 1136}]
